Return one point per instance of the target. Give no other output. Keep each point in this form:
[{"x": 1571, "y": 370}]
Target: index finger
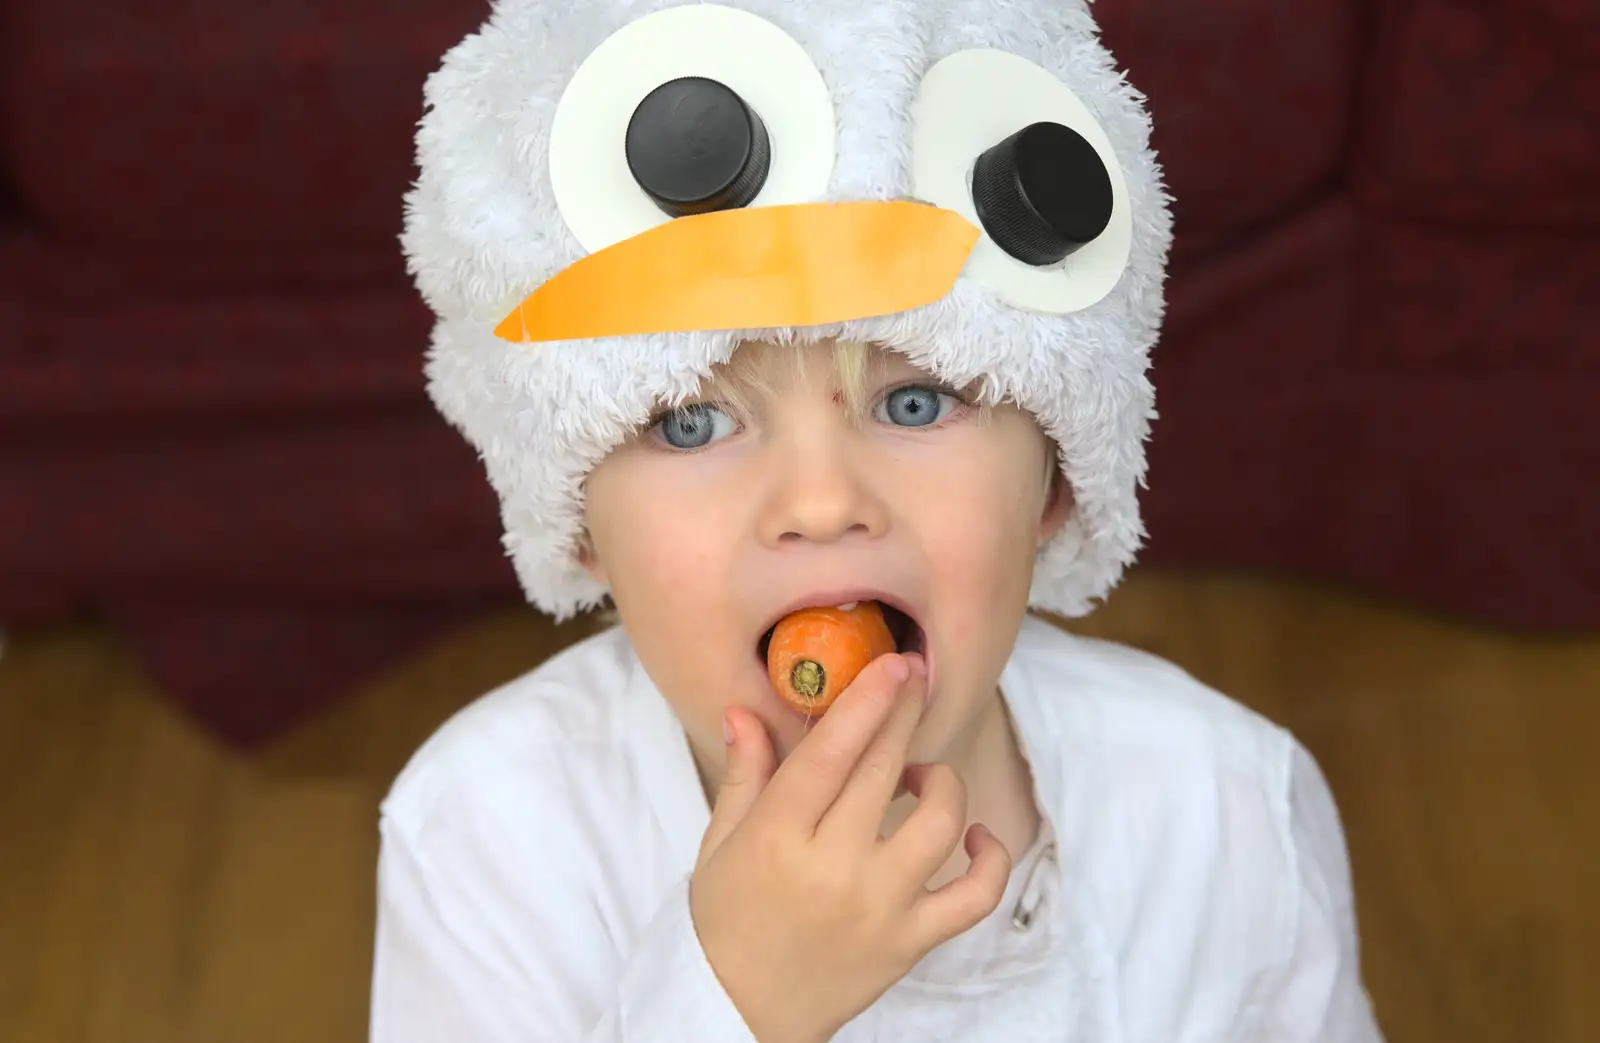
[{"x": 809, "y": 780}]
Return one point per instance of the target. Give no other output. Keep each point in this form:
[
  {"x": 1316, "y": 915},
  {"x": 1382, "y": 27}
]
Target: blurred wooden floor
[{"x": 155, "y": 888}]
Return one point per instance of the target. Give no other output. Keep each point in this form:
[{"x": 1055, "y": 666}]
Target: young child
[{"x": 785, "y": 304}]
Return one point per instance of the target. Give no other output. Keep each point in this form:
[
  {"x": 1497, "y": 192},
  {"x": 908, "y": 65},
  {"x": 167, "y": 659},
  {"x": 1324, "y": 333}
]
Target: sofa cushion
[
  {"x": 223, "y": 126},
  {"x": 1484, "y": 112},
  {"x": 52, "y": 273},
  {"x": 164, "y": 358},
  {"x": 1274, "y": 307},
  {"x": 1463, "y": 491},
  {"x": 1441, "y": 298},
  {"x": 1252, "y": 103},
  {"x": 382, "y": 504}
]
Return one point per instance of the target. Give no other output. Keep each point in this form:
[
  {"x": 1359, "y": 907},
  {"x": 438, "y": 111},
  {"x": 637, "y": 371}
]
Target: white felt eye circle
[
  {"x": 1007, "y": 145},
  {"x": 757, "y": 114}
]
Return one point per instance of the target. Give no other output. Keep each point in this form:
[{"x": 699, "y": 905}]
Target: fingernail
[
  {"x": 918, "y": 665},
  {"x": 897, "y": 668},
  {"x": 727, "y": 730}
]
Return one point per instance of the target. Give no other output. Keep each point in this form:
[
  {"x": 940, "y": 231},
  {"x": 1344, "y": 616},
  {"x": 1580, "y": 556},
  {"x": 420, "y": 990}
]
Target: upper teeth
[{"x": 848, "y": 606}]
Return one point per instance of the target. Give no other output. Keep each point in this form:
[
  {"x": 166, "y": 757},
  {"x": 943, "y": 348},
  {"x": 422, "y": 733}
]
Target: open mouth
[{"x": 907, "y": 633}]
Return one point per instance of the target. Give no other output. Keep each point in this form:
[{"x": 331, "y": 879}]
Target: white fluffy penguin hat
[{"x": 615, "y": 194}]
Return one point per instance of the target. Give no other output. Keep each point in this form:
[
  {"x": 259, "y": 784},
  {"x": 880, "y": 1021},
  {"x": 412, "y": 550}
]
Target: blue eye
[
  {"x": 916, "y": 406},
  {"x": 694, "y": 426}
]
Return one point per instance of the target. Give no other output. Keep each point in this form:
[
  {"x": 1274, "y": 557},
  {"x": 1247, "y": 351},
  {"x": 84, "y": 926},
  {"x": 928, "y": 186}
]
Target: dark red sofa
[{"x": 1382, "y": 365}]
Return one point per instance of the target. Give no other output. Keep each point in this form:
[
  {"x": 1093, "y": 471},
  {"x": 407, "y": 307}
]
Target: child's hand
[{"x": 805, "y": 913}]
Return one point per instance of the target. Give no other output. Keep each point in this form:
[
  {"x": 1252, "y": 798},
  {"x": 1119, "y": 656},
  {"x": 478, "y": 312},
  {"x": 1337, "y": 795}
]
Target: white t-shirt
[{"x": 1190, "y": 882}]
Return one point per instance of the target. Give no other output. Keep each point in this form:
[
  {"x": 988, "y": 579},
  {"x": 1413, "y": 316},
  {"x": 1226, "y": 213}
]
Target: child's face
[{"x": 706, "y": 528}]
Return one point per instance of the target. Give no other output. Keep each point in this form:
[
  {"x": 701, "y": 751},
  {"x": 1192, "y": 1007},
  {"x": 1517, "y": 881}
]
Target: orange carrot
[{"x": 816, "y": 652}]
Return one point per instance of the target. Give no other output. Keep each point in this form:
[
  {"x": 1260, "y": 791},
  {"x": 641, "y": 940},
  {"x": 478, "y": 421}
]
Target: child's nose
[{"x": 819, "y": 494}]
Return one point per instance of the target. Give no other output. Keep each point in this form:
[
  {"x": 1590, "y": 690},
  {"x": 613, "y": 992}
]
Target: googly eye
[
  {"x": 1006, "y": 144},
  {"x": 688, "y": 110}
]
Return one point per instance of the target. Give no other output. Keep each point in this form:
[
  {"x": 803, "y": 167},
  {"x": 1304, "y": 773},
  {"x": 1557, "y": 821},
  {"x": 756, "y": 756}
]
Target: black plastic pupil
[
  {"x": 694, "y": 146},
  {"x": 1042, "y": 193}
]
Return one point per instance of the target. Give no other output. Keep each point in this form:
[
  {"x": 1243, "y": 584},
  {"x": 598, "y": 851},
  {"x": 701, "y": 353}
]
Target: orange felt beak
[{"x": 753, "y": 268}]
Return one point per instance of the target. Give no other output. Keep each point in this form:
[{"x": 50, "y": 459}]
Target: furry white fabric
[{"x": 482, "y": 230}]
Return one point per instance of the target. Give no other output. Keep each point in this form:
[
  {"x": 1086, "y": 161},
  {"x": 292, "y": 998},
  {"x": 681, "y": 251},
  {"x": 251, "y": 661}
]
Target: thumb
[{"x": 749, "y": 766}]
